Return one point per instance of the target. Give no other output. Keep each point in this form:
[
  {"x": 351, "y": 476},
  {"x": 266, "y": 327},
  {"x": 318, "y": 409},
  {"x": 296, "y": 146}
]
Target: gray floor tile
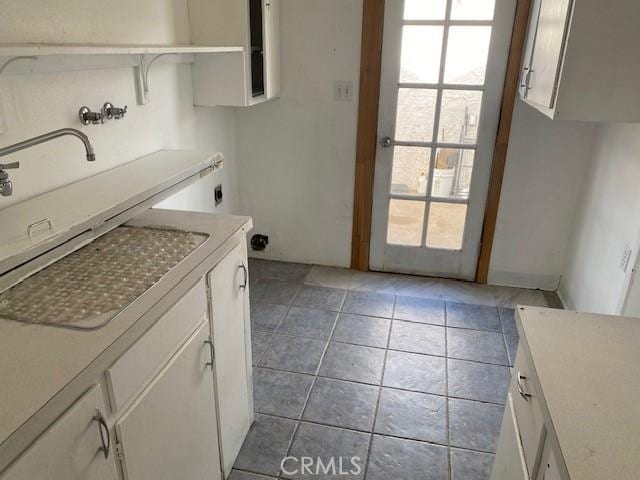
[
  {"x": 468, "y": 465},
  {"x": 467, "y": 292},
  {"x": 478, "y": 381},
  {"x": 320, "y": 297},
  {"x": 361, "y": 330},
  {"x": 280, "y": 393},
  {"x": 512, "y": 347},
  {"x": 423, "y": 310},
  {"x": 332, "y": 277},
  {"x": 266, "y": 317},
  {"x": 294, "y": 354},
  {"x": 342, "y": 404},
  {"x": 553, "y": 300},
  {"x": 257, "y": 267},
  {"x": 308, "y": 322},
  {"x": 423, "y": 287},
  {"x": 328, "y": 443},
  {"x": 412, "y": 371},
  {"x": 417, "y": 338},
  {"x": 478, "y": 317},
  {"x": 285, "y": 271},
  {"x": 412, "y": 415},
  {"x": 240, "y": 475},
  {"x": 507, "y": 319},
  {"x": 476, "y": 345},
  {"x": 512, "y": 297},
  {"x": 266, "y": 445},
  {"x": 399, "y": 459},
  {"x": 373, "y": 282},
  {"x": 259, "y": 343},
  {"x": 474, "y": 425},
  {"x": 353, "y": 362},
  {"x": 369, "y": 303},
  {"x": 267, "y": 290}
]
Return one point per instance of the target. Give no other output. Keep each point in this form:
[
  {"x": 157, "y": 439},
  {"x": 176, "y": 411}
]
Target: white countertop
[
  {"x": 43, "y": 367},
  {"x": 588, "y": 366}
]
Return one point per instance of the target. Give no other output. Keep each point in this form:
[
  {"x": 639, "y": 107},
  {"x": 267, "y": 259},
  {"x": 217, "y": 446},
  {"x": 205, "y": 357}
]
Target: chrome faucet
[{"x": 6, "y": 186}]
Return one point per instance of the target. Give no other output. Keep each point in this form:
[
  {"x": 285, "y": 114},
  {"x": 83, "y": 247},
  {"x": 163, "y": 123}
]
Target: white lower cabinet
[
  {"x": 509, "y": 463},
  {"x": 229, "y": 286},
  {"x": 170, "y": 432},
  {"x": 76, "y": 447}
]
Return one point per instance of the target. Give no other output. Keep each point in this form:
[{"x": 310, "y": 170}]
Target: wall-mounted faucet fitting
[
  {"x": 87, "y": 116},
  {"x": 110, "y": 112},
  {"x": 6, "y": 186}
]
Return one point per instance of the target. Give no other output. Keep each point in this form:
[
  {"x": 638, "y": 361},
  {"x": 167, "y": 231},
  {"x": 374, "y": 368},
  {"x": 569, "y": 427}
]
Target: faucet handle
[{"x": 9, "y": 166}]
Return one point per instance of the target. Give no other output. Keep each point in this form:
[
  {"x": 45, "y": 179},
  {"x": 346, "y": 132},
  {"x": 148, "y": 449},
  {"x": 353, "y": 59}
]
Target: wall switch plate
[
  {"x": 343, "y": 91},
  {"x": 626, "y": 257}
]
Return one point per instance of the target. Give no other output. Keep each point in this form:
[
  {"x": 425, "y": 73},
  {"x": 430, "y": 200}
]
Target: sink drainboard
[{"x": 87, "y": 288}]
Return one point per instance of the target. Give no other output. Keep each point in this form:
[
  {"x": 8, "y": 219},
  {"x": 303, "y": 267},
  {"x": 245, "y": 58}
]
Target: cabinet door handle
[
  {"x": 105, "y": 436},
  {"x": 523, "y": 393},
  {"x": 211, "y": 352},
  {"x": 245, "y": 278}
]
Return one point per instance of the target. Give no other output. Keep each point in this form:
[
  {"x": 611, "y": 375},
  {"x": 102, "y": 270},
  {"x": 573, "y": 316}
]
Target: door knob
[{"x": 386, "y": 142}]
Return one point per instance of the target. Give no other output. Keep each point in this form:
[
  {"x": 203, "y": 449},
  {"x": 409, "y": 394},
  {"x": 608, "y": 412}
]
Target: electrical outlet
[
  {"x": 343, "y": 91},
  {"x": 626, "y": 257},
  {"x": 217, "y": 195}
]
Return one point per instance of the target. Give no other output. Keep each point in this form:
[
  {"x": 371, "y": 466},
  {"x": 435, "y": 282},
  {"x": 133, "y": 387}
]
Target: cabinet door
[
  {"x": 527, "y": 57},
  {"x": 272, "y": 47},
  {"x": 228, "y": 290},
  {"x": 553, "y": 21},
  {"x": 509, "y": 462},
  {"x": 170, "y": 432},
  {"x": 72, "y": 448}
]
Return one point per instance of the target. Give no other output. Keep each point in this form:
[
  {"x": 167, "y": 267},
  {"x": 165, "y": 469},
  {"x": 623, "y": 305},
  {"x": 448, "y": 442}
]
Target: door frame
[{"x": 366, "y": 143}]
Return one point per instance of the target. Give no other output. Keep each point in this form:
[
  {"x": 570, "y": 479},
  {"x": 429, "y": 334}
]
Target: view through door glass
[{"x": 440, "y": 88}]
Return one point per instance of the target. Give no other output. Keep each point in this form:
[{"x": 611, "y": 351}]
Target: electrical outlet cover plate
[{"x": 343, "y": 90}]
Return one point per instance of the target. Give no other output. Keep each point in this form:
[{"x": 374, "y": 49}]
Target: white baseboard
[{"x": 524, "y": 280}]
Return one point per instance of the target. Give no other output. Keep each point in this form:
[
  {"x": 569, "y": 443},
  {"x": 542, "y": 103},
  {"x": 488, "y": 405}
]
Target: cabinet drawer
[
  {"x": 527, "y": 400},
  {"x": 509, "y": 463},
  {"x": 133, "y": 370}
]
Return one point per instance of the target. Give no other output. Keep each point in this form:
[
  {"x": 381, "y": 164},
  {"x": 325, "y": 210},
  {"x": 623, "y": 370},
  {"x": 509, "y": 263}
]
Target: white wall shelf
[
  {"x": 41, "y": 58},
  {"x": 29, "y": 50}
]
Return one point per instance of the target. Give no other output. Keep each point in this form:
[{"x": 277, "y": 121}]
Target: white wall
[
  {"x": 545, "y": 169},
  {"x": 36, "y": 103},
  {"x": 297, "y": 154},
  {"x": 607, "y": 222}
]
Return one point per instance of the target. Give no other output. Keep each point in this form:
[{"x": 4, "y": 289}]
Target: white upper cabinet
[
  {"x": 581, "y": 60},
  {"x": 236, "y": 78}
]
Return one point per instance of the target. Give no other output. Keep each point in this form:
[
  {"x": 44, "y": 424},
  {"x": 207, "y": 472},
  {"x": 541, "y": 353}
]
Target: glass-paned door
[{"x": 443, "y": 67}]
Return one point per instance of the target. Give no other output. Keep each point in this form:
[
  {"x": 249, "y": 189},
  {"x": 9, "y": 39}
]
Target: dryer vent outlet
[{"x": 259, "y": 242}]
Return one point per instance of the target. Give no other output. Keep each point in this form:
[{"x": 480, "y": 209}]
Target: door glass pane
[
  {"x": 446, "y": 225},
  {"x": 467, "y": 52},
  {"x": 452, "y": 173},
  {"x": 421, "y": 52},
  {"x": 405, "y": 222},
  {"x": 410, "y": 170},
  {"x": 459, "y": 116},
  {"x": 424, "y": 9},
  {"x": 472, "y": 9},
  {"x": 416, "y": 111}
]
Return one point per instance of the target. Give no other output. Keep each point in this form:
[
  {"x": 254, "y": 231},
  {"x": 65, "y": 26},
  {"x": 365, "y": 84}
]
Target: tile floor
[{"x": 409, "y": 374}]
